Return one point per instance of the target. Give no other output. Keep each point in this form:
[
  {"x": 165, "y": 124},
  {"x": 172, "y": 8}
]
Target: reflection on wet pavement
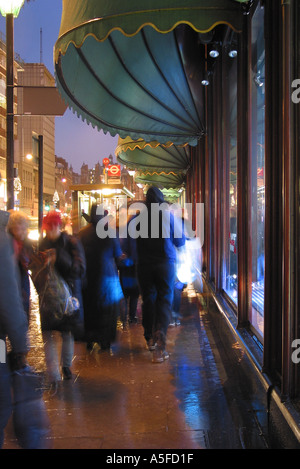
[
  {"x": 197, "y": 399},
  {"x": 36, "y": 354}
]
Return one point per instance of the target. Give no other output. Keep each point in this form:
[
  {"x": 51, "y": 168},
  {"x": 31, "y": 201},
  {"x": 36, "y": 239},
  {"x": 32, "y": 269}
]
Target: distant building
[
  {"x": 76, "y": 178},
  {"x": 63, "y": 180},
  {"x": 17, "y": 66},
  {"x": 84, "y": 174},
  {"x": 29, "y": 129}
]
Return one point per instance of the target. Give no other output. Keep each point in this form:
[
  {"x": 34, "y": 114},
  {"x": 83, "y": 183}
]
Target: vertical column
[
  {"x": 10, "y": 110},
  {"x": 41, "y": 183},
  {"x": 287, "y": 208},
  {"x": 75, "y": 212},
  {"x": 296, "y": 195},
  {"x": 290, "y": 170},
  {"x": 273, "y": 201},
  {"x": 244, "y": 178}
]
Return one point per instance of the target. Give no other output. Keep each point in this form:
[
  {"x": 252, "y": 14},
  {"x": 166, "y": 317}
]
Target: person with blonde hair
[
  {"x": 17, "y": 227},
  {"x": 20, "y": 220}
]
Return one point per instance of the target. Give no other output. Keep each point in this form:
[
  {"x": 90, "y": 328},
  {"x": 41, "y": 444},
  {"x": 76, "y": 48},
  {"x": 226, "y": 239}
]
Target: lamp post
[{"x": 10, "y": 9}]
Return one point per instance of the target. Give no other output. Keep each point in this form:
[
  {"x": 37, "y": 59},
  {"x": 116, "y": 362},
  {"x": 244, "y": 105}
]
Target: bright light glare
[
  {"x": 11, "y": 6},
  {"x": 33, "y": 235}
]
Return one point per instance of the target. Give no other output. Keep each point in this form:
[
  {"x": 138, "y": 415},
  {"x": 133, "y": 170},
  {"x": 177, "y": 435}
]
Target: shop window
[
  {"x": 258, "y": 167},
  {"x": 230, "y": 248}
]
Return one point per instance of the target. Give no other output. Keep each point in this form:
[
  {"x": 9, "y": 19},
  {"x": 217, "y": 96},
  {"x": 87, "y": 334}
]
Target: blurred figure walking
[
  {"x": 17, "y": 226},
  {"x": 66, "y": 254},
  {"x": 13, "y": 323},
  {"x": 128, "y": 271},
  {"x": 156, "y": 272},
  {"x": 102, "y": 290}
]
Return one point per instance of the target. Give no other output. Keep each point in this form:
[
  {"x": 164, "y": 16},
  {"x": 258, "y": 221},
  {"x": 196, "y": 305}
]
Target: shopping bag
[{"x": 58, "y": 308}]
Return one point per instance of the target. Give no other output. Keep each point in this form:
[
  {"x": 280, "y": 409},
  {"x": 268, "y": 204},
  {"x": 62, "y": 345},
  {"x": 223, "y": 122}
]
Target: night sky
[{"x": 75, "y": 140}]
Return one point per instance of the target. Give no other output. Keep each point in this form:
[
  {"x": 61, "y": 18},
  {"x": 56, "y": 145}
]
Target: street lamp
[{"x": 10, "y": 9}]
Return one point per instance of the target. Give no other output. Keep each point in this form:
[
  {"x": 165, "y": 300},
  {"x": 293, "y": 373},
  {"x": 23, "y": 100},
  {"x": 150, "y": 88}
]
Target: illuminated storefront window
[
  {"x": 258, "y": 168},
  {"x": 230, "y": 277}
]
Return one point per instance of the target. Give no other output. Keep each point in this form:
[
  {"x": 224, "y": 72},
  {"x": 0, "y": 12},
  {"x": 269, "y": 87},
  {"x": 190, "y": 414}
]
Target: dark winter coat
[
  {"x": 71, "y": 265},
  {"x": 70, "y": 259},
  {"x": 102, "y": 290},
  {"x": 13, "y": 320},
  {"x": 159, "y": 248}
]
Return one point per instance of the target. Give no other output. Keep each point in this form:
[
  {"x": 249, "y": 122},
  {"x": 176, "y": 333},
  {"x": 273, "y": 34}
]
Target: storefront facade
[
  {"x": 222, "y": 76},
  {"x": 246, "y": 172}
]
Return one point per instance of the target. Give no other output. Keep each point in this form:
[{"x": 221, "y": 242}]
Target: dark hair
[{"x": 154, "y": 195}]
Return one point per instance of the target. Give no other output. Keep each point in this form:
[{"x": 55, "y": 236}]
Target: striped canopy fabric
[
  {"x": 152, "y": 157},
  {"x": 134, "y": 68},
  {"x": 162, "y": 180}
]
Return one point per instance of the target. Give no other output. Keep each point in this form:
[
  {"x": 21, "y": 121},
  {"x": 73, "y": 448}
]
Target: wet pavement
[{"x": 204, "y": 397}]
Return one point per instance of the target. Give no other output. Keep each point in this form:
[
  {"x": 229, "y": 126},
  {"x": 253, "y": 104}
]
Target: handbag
[{"x": 58, "y": 308}]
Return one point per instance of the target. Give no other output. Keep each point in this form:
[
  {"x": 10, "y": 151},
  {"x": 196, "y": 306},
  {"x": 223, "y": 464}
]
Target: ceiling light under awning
[{"x": 133, "y": 69}]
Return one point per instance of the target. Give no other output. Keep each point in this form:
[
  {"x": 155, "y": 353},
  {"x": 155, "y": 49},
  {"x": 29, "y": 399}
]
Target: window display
[
  {"x": 230, "y": 278},
  {"x": 258, "y": 168}
]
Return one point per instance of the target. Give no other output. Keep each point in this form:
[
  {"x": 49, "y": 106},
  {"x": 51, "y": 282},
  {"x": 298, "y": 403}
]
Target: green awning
[
  {"x": 171, "y": 195},
  {"x": 116, "y": 69},
  {"x": 163, "y": 181},
  {"x": 152, "y": 157},
  {"x": 99, "y": 18}
]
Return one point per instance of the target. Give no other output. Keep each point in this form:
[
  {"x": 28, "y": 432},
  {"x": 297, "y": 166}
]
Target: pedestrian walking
[
  {"x": 156, "y": 271},
  {"x": 13, "y": 322},
  {"x": 102, "y": 291},
  {"x": 65, "y": 253},
  {"x": 128, "y": 270},
  {"x": 17, "y": 226}
]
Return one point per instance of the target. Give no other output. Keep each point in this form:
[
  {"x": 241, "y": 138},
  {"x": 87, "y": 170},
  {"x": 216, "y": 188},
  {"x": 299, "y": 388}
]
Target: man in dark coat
[
  {"x": 102, "y": 290},
  {"x": 156, "y": 272}
]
